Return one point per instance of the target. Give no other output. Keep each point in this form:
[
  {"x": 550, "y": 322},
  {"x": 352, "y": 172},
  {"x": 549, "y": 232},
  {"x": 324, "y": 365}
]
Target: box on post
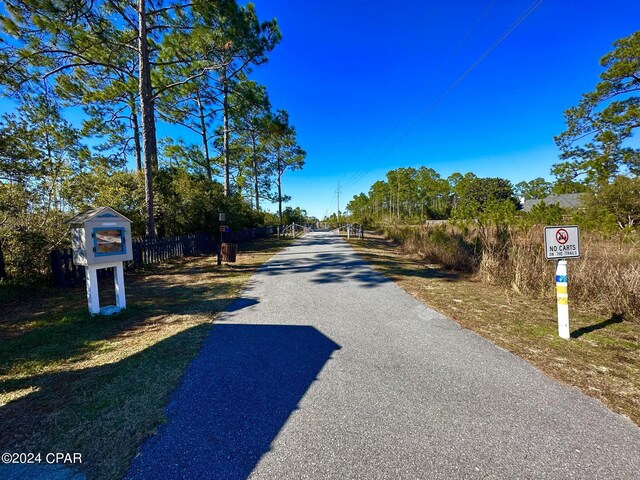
[
  {"x": 101, "y": 238},
  {"x": 100, "y": 235}
]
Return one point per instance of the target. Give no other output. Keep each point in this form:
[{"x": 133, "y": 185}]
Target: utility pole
[{"x": 338, "y": 191}]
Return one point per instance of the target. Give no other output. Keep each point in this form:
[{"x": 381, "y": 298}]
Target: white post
[
  {"x": 118, "y": 280},
  {"x": 348, "y": 231},
  {"x": 293, "y": 230},
  {"x": 563, "y": 300},
  {"x": 93, "y": 298}
]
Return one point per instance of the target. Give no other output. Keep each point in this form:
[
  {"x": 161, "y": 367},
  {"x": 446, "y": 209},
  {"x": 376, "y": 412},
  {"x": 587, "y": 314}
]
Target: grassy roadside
[
  {"x": 99, "y": 386},
  {"x": 602, "y": 359}
]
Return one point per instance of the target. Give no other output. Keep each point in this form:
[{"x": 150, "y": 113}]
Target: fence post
[
  {"x": 185, "y": 246},
  {"x": 137, "y": 253},
  {"x": 74, "y": 271},
  {"x": 56, "y": 273},
  {"x": 67, "y": 270}
]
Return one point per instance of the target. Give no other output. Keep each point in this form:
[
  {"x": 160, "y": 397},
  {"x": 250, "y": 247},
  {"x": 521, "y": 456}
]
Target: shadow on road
[
  {"x": 234, "y": 400},
  {"x": 327, "y": 268},
  {"x": 336, "y": 264},
  {"x": 240, "y": 303}
]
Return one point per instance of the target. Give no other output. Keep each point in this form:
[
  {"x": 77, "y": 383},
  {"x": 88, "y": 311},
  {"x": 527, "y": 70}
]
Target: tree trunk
[
  {"x": 255, "y": 172},
  {"x": 279, "y": 194},
  {"x": 205, "y": 143},
  {"x": 136, "y": 134},
  {"x": 147, "y": 112},
  {"x": 225, "y": 130}
]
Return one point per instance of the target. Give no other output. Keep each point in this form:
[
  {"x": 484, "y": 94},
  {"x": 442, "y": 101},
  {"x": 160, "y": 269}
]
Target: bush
[{"x": 26, "y": 245}]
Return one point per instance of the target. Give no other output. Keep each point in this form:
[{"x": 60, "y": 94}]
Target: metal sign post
[
  {"x": 560, "y": 243},
  {"x": 221, "y": 218}
]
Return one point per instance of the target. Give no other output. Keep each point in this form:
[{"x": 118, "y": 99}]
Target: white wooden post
[
  {"x": 93, "y": 297},
  {"x": 118, "y": 280},
  {"x": 563, "y": 299}
]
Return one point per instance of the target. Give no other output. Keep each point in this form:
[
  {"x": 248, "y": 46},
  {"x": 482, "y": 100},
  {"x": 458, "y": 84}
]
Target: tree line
[
  {"x": 120, "y": 69},
  {"x": 597, "y": 160}
]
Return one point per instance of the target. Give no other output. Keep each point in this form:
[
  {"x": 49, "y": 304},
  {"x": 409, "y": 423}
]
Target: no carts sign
[{"x": 561, "y": 242}]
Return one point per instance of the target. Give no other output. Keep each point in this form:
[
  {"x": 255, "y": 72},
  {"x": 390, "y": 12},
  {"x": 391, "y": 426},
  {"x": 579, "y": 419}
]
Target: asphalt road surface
[{"x": 325, "y": 369}]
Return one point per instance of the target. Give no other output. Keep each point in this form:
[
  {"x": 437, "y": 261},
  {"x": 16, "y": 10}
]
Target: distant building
[{"x": 568, "y": 201}]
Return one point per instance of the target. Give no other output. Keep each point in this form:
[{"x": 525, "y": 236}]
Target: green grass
[
  {"x": 70, "y": 382},
  {"x": 602, "y": 360}
]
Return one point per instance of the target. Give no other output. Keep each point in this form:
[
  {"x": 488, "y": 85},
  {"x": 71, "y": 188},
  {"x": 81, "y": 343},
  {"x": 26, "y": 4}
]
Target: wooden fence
[
  {"x": 65, "y": 274},
  {"x": 158, "y": 250},
  {"x": 249, "y": 234}
]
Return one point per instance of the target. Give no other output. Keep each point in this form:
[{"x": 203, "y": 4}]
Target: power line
[
  {"x": 528, "y": 11},
  {"x": 452, "y": 54},
  {"x": 329, "y": 204},
  {"x": 532, "y": 8}
]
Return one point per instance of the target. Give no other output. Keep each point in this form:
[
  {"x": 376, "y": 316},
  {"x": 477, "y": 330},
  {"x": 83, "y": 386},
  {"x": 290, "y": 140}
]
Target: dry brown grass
[
  {"x": 99, "y": 386},
  {"x": 442, "y": 246},
  {"x": 605, "y": 279},
  {"x": 602, "y": 360}
]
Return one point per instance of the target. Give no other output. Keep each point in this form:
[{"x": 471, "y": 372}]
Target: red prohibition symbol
[{"x": 562, "y": 236}]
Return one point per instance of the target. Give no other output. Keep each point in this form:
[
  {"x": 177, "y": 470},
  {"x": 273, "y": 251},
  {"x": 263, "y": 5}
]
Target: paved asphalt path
[{"x": 324, "y": 369}]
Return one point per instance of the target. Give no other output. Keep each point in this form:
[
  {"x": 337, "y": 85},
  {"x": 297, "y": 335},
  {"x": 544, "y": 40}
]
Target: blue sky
[{"x": 372, "y": 85}]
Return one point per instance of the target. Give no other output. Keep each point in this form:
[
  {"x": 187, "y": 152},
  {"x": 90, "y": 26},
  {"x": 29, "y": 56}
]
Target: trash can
[{"x": 229, "y": 252}]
